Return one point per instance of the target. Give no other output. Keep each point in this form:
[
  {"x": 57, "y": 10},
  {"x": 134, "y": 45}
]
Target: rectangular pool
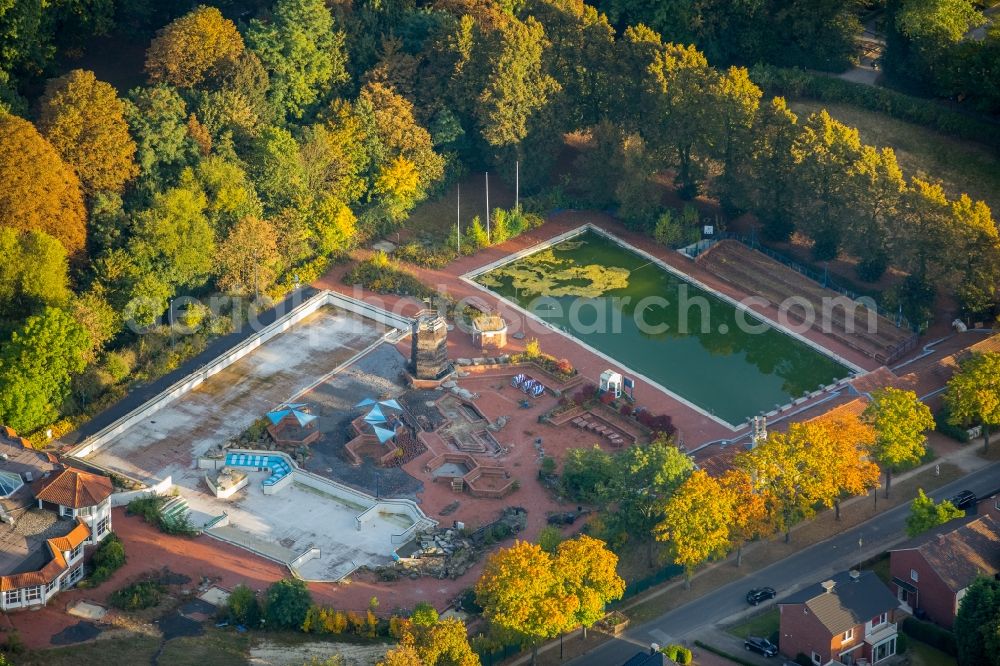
[{"x": 704, "y": 349}]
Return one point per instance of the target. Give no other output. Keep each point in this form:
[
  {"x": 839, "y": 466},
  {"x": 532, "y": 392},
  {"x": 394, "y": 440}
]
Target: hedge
[
  {"x": 794, "y": 83},
  {"x": 933, "y": 635},
  {"x": 942, "y": 426}
]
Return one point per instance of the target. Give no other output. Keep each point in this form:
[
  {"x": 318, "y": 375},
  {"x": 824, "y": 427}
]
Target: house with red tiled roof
[
  {"x": 49, "y": 515},
  {"x": 931, "y": 573}
]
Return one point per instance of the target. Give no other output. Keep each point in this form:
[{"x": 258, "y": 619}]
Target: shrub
[
  {"x": 243, "y": 606},
  {"x": 418, "y": 254},
  {"x": 144, "y": 594},
  {"x": 380, "y": 274},
  {"x": 108, "y": 558},
  {"x": 564, "y": 367},
  {"x": 548, "y": 466},
  {"x": 684, "y": 655},
  {"x": 942, "y": 426},
  {"x": 933, "y": 635},
  {"x": 585, "y": 394},
  {"x": 625, "y": 410},
  {"x": 424, "y": 614},
  {"x": 533, "y": 349}
]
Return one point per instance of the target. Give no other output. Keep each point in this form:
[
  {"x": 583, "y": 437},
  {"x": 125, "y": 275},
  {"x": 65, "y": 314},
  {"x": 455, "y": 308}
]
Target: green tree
[
  {"x": 423, "y": 613},
  {"x": 925, "y": 514},
  {"x": 84, "y": 120},
  {"x": 515, "y": 83},
  {"x": 475, "y": 236},
  {"x": 681, "y": 131},
  {"x": 231, "y": 194},
  {"x": 174, "y": 235},
  {"x": 645, "y": 477},
  {"x": 157, "y": 116},
  {"x": 772, "y": 169},
  {"x": 977, "y": 624},
  {"x": 302, "y": 51},
  {"x": 587, "y": 474},
  {"x": 36, "y": 366},
  {"x": 900, "y": 420},
  {"x": 735, "y": 100},
  {"x": 193, "y": 47},
  {"x": 34, "y": 273},
  {"x": 287, "y": 603},
  {"x": 880, "y": 185},
  {"x": 825, "y": 154},
  {"x": 973, "y": 393},
  {"x": 40, "y": 192}
]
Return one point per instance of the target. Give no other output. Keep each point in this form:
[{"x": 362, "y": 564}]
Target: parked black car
[
  {"x": 759, "y": 594},
  {"x": 964, "y": 499},
  {"x": 760, "y": 646}
]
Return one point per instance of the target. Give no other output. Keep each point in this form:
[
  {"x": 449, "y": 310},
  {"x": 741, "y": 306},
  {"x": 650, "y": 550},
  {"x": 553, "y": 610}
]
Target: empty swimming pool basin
[{"x": 277, "y": 465}]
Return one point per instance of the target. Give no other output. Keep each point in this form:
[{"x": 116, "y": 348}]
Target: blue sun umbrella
[
  {"x": 391, "y": 403},
  {"x": 375, "y": 416},
  {"x": 367, "y": 402},
  {"x": 295, "y": 409},
  {"x": 383, "y": 434}
]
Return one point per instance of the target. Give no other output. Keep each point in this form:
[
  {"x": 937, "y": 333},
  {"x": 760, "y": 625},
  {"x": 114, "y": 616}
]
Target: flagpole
[
  {"x": 488, "y": 236},
  {"x": 458, "y": 219}
]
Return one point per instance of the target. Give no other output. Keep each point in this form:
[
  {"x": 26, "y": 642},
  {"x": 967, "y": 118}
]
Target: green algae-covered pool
[{"x": 703, "y": 349}]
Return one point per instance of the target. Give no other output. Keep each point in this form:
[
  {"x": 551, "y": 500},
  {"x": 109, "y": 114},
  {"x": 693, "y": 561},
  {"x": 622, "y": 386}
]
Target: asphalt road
[{"x": 809, "y": 566}]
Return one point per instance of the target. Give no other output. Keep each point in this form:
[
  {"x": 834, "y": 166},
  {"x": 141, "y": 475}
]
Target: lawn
[
  {"x": 215, "y": 647},
  {"x": 133, "y": 649},
  {"x": 921, "y": 654},
  {"x": 962, "y": 166},
  {"x": 763, "y": 624}
]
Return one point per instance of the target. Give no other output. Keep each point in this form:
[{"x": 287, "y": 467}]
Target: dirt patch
[{"x": 77, "y": 633}]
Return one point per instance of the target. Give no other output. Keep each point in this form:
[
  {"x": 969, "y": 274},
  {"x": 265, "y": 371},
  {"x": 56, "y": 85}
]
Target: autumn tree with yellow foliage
[
  {"x": 847, "y": 443},
  {"x": 40, "y": 192},
  {"x": 751, "y": 517},
  {"x": 432, "y": 643},
  {"x": 248, "y": 257},
  {"x": 192, "y": 48},
  {"x": 529, "y": 595},
  {"x": 84, "y": 120},
  {"x": 696, "y": 522}
]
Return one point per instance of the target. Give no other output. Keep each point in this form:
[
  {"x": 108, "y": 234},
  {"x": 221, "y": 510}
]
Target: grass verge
[{"x": 963, "y": 166}]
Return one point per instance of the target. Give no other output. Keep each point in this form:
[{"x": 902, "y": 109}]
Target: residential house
[
  {"x": 49, "y": 515},
  {"x": 849, "y": 619},
  {"x": 931, "y": 573}
]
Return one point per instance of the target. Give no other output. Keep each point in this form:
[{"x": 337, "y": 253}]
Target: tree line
[{"x": 267, "y": 142}]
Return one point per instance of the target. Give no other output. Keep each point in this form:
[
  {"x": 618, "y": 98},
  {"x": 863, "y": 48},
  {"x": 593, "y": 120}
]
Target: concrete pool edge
[{"x": 854, "y": 370}]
